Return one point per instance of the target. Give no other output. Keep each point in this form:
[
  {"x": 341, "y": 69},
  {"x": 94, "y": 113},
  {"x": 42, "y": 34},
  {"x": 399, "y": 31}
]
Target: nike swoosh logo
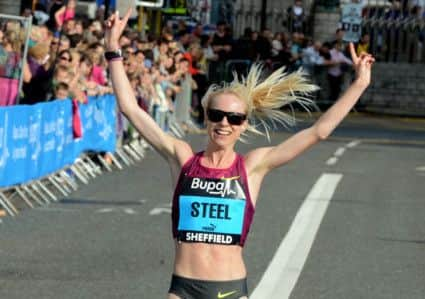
[{"x": 224, "y": 295}]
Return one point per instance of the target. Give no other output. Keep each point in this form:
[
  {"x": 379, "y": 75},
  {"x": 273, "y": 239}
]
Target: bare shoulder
[{"x": 183, "y": 151}]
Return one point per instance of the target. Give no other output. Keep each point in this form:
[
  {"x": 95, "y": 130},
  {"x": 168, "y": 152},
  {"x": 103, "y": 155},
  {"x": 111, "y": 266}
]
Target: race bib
[{"x": 211, "y": 210}]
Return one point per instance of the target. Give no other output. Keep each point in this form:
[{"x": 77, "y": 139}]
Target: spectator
[
  {"x": 140, "y": 57},
  {"x": 64, "y": 58},
  {"x": 222, "y": 42},
  {"x": 244, "y": 47},
  {"x": 68, "y": 27},
  {"x": 36, "y": 88},
  {"x": 208, "y": 55},
  {"x": 363, "y": 45},
  {"x": 335, "y": 72},
  {"x": 65, "y": 13},
  {"x": 148, "y": 53},
  {"x": 197, "y": 32},
  {"x": 85, "y": 81},
  {"x": 40, "y": 14},
  {"x": 296, "y": 17},
  {"x": 167, "y": 33},
  {"x": 98, "y": 71},
  {"x": 161, "y": 48},
  {"x": 311, "y": 57},
  {"x": 263, "y": 45},
  {"x": 79, "y": 27},
  {"x": 194, "y": 55},
  {"x": 64, "y": 43},
  {"x": 55, "y": 5},
  {"x": 61, "y": 91},
  {"x": 125, "y": 39},
  {"x": 10, "y": 51},
  {"x": 222, "y": 46},
  {"x": 296, "y": 51},
  {"x": 277, "y": 46},
  {"x": 75, "y": 59},
  {"x": 183, "y": 42},
  {"x": 183, "y": 99},
  {"x": 339, "y": 39}
]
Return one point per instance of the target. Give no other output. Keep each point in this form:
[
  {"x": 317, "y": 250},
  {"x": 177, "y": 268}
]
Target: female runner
[{"x": 217, "y": 189}]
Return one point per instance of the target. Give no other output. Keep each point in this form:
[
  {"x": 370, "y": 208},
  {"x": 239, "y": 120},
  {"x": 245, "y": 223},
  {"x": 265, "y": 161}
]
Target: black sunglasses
[
  {"x": 233, "y": 118},
  {"x": 65, "y": 58}
]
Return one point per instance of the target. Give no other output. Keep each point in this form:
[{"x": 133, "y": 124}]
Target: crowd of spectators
[{"x": 169, "y": 73}]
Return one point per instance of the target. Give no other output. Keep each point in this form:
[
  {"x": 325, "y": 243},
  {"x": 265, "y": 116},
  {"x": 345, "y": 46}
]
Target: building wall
[
  {"x": 10, "y": 7},
  {"x": 247, "y": 13},
  {"x": 396, "y": 88}
]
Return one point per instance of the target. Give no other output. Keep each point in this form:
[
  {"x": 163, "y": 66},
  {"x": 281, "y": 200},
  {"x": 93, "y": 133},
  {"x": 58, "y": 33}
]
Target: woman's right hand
[{"x": 114, "y": 26}]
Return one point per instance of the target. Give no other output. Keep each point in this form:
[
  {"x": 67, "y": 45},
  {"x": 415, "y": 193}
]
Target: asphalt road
[{"x": 112, "y": 239}]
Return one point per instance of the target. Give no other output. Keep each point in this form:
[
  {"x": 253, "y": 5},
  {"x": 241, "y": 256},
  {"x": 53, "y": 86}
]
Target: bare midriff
[{"x": 209, "y": 261}]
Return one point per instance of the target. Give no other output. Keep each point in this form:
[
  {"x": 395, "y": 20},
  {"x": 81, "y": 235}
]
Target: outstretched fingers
[
  {"x": 110, "y": 21},
  {"x": 126, "y": 16},
  {"x": 367, "y": 59},
  {"x": 353, "y": 53}
]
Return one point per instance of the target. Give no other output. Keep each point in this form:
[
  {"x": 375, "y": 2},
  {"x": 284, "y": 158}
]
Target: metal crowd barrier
[
  {"x": 41, "y": 160},
  {"x": 63, "y": 182},
  {"x": 87, "y": 166},
  {"x": 399, "y": 40}
]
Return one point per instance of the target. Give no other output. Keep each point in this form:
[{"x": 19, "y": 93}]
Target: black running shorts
[{"x": 188, "y": 288}]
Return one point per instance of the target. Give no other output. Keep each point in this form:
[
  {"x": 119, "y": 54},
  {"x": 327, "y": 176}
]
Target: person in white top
[{"x": 277, "y": 45}]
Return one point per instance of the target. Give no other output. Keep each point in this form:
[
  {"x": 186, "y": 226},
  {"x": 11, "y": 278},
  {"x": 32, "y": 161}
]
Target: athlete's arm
[
  {"x": 262, "y": 160},
  {"x": 172, "y": 149}
]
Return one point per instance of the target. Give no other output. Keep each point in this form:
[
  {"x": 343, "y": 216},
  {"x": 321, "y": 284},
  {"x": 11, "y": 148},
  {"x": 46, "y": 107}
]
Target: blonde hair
[
  {"x": 264, "y": 99},
  {"x": 39, "y": 51}
]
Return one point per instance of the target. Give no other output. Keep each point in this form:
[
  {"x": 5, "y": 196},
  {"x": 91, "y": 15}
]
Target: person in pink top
[
  {"x": 65, "y": 13},
  {"x": 216, "y": 190}
]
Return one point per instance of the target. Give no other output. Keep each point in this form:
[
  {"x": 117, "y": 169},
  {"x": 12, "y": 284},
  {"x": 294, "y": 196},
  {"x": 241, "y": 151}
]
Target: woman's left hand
[
  {"x": 114, "y": 27},
  {"x": 362, "y": 65}
]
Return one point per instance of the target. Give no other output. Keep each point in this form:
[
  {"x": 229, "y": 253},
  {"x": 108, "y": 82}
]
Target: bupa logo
[
  {"x": 99, "y": 115},
  {"x": 222, "y": 187},
  {"x": 60, "y": 133},
  {"x": 35, "y": 135},
  {"x": 106, "y": 132}
]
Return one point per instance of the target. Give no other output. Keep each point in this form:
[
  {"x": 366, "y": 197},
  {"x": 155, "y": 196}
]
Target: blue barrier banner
[
  {"x": 38, "y": 140},
  {"x": 98, "y": 118}
]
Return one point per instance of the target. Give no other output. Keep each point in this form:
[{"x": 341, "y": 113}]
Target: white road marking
[
  {"x": 105, "y": 210},
  {"x": 353, "y": 143},
  {"x": 339, "y": 152},
  {"x": 332, "y": 161},
  {"x": 420, "y": 168},
  {"x": 158, "y": 211},
  {"x": 284, "y": 269},
  {"x": 47, "y": 209},
  {"x": 163, "y": 208},
  {"x": 130, "y": 211}
]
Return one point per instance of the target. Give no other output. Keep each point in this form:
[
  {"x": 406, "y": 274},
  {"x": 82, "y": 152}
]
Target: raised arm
[
  {"x": 272, "y": 157},
  {"x": 58, "y": 14},
  {"x": 173, "y": 150}
]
